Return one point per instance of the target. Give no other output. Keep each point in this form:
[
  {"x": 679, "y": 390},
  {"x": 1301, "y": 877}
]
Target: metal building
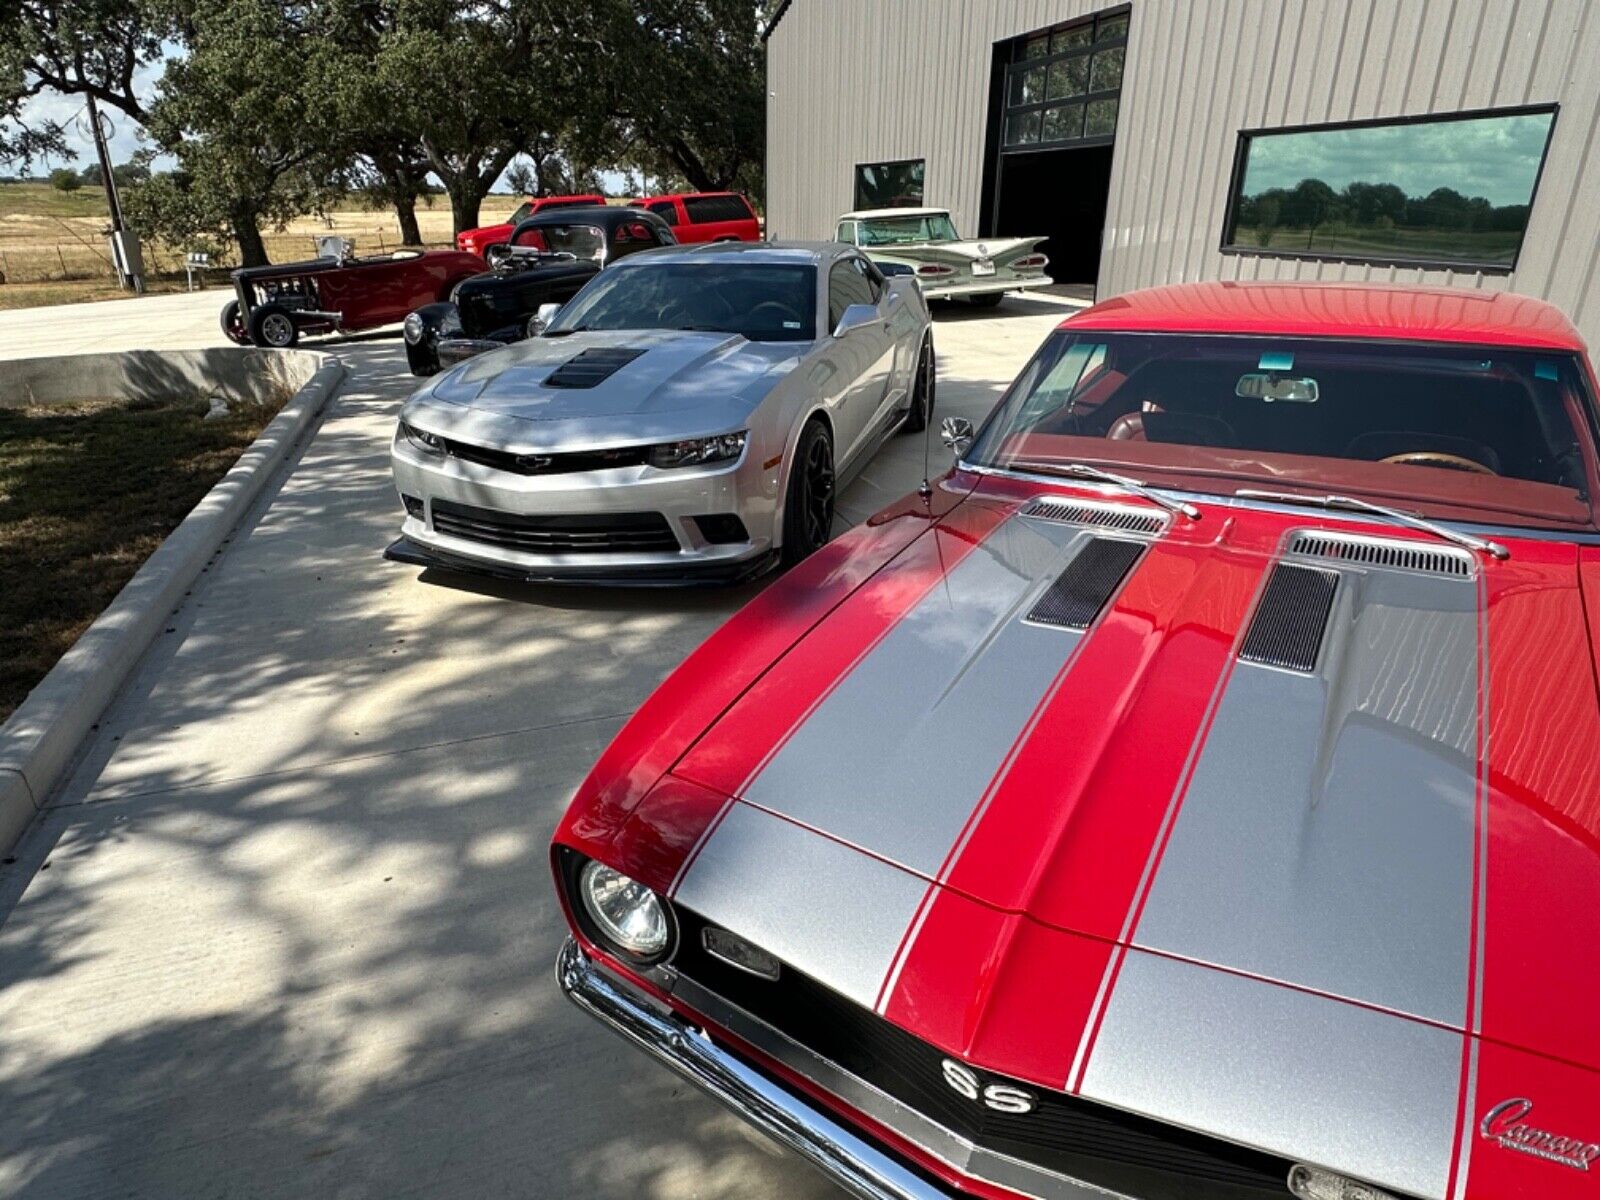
[{"x": 1411, "y": 141}]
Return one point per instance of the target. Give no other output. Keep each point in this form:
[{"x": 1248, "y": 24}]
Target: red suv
[
  {"x": 706, "y": 216},
  {"x": 477, "y": 241}
]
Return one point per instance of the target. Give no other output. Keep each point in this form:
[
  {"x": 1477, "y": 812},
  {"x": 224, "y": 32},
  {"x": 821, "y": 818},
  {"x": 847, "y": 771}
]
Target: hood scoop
[
  {"x": 1378, "y": 552},
  {"x": 1290, "y": 623},
  {"x": 592, "y": 367},
  {"x": 1088, "y": 512},
  {"x": 1082, "y": 589}
]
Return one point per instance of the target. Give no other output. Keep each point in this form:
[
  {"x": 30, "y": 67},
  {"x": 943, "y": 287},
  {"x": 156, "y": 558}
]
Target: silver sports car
[{"x": 688, "y": 416}]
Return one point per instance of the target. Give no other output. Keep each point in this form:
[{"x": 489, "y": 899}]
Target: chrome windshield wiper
[
  {"x": 1337, "y": 503},
  {"x": 1138, "y": 487}
]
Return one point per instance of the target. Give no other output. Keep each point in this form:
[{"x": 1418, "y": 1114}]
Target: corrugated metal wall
[{"x": 853, "y": 81}]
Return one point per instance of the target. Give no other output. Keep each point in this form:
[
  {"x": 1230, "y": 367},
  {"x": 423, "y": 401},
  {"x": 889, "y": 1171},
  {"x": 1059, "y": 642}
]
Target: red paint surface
[{"x": 1336, "y": 310}]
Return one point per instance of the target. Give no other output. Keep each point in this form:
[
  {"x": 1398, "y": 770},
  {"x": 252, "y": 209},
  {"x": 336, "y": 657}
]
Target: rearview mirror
[
  {"x": 1268, "y": 387},
  {"x": 857, "y": 316},
  {"x": 956, "y": 432},
  {"x": 540, "y": 321}
]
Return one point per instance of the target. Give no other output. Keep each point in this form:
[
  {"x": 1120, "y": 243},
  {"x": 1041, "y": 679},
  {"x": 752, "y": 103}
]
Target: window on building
[
  {"x": 1062, "y": 85},
  {"x": 1447, "y": 191},
  {"x": 890, "y": 184}
]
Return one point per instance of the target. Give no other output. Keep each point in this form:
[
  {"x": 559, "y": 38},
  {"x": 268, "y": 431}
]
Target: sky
[{"x": 1494, "y": 157}]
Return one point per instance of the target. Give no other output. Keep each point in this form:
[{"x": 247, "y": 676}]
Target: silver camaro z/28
[{"x": 688, "y": 416}]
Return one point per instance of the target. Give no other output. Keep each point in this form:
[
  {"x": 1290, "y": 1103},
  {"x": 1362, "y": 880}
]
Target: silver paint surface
[
  {"x": 1365, "y": 1093},
  {"x": 897, "y": 758},
  {"x": 822, "y": 907},
  {"x": 1326, "y": 838}
]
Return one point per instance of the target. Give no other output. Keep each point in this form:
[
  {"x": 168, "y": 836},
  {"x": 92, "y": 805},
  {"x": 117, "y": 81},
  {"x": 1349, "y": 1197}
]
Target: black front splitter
[{"x": 404, "y": 550}]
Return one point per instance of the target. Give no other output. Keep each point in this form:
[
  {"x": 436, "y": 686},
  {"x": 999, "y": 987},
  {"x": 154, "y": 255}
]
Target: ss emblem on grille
[{"x": 998, "y": 1096}]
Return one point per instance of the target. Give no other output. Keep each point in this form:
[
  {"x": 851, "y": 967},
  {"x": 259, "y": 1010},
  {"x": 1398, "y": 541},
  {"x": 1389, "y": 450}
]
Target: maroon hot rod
[{"x": 339, "y": 293}]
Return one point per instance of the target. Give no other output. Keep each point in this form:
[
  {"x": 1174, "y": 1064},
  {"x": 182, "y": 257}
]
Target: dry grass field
[{"x": 53, "y": 250}]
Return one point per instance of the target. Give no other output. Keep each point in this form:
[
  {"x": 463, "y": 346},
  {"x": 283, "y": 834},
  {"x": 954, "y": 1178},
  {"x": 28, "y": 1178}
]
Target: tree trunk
[
  {"x": 405, "y": 208},
  {"x": 466, "y": 196},
  {"x": 252, "y": 250}
]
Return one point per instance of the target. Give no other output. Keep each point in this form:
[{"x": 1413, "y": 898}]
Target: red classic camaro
[{"x": 1196, "y": 795}]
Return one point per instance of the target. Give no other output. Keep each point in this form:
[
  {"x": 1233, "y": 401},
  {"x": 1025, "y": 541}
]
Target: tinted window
[
  {"x": 1387, "y": 417},
  {"x": 848, "y": 284},
  {"x": 666, "y": 210},
  {"x": 1451, "y": 190},
  {"x": 766, "y": 302},
  {"x": 705, "y": 209},
  {"x": 523, "y": 210},
  {"x": 891, "y": 184}
]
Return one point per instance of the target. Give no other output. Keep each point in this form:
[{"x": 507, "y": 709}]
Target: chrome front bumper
[{"x": 860, "y": 1168}]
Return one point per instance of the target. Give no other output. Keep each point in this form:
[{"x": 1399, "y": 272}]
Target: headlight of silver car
[
  {"x": 412, "y": 328},
  {"x": 626, "y": 913},
  {"x": 696, "y": 451},
  {"x": 422, "y": 440}
]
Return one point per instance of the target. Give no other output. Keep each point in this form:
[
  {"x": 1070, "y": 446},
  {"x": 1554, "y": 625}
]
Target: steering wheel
[
  {"x": 1438, "y": 458},
  {"x": 776, "y": 307}
]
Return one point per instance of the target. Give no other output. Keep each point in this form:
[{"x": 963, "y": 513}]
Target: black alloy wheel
[
  {"x": 233, "y": 325},
  {"x": 272, "y": 326},
  {"x": 922, "y": 389},
  {"x": 808, "y": 509}
]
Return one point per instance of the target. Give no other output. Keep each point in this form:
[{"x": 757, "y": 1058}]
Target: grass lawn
[{"x": 87, "y": 491}]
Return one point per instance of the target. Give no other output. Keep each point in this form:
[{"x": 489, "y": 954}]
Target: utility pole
[{"x": 124, "y": 245}]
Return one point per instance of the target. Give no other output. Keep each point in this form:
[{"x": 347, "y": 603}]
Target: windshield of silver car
[
  {"x": 1452, "y": 427},
  {"x": 765, "y": 302},
  {"x": 906, "y": 231},
  {"x": 580, "y": 241}
]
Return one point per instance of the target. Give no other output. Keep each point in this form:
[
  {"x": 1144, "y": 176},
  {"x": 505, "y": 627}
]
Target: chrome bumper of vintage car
[
  {"x": 857, "y": 1166},
  {"x": 979, "y": 287}
]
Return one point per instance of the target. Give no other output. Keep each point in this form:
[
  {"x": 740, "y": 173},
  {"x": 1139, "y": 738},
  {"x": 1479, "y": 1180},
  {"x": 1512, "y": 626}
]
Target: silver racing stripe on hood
[
  {"x": 889, "y": 770},
  {"x": 1326, "y": 838}
]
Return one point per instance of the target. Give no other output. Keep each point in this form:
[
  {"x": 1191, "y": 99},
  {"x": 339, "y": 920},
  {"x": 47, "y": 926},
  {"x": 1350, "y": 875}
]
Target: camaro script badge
[
  {"x": 998, "y": 1096},
  {"x": 1505, "y": 1124}
]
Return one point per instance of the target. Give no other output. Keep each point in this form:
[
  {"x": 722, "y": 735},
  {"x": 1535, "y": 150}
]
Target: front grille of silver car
[
  {"x": 1066, "y": 1138},
  {"x": 567, "y": 463},
  {"x": 578, "y": 533}
]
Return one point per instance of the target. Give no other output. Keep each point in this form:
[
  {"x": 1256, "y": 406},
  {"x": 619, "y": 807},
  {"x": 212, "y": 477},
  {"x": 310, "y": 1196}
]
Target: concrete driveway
[{"x": 288, "y": 931}]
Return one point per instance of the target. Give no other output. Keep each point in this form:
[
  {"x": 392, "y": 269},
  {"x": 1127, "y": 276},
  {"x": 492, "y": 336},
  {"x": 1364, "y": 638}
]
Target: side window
[
  {"x": 874, "y": 278},
  {"x": 666, "y": 210},
  {"x": 702, "y": 209},
  {"x": 847, "y": 285},
  {"x": 846, "y": 233}
]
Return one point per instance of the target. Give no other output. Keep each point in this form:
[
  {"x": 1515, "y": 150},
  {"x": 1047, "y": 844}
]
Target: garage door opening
[
  {"x": 1052, "y": 123},
  {"x": 1062, "y": 194}
]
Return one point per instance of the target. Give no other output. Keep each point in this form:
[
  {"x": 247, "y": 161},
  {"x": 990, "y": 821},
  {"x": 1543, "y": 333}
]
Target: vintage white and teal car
[{"x": 981, "y": 270}]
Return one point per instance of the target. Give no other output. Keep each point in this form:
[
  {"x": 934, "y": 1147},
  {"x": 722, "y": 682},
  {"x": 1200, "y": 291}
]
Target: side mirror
[
  {"x": 857, "y": 316},
  {"x": 956, "y": 432},
  {"x": 540, "y": 321}
]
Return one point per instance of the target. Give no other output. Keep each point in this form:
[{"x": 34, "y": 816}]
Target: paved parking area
[{"x": 288, "y": 931}]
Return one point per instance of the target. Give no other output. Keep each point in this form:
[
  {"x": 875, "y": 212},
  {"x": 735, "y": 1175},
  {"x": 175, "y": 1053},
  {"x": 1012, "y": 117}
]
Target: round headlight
[
  {"x": 628, "y": 914},
  {"x": 412, "y": 328}
]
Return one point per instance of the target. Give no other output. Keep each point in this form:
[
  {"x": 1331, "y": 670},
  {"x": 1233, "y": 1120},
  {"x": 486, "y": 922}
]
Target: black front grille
[
  {"x": 1089, "y": 1142},
  {"x": 587, "y": 533},
  {"x": 548, "y": 464}
]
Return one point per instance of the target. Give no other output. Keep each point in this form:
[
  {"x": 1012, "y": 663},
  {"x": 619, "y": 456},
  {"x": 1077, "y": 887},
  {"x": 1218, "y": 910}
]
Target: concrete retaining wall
[
  {"x": 40, "y": 741},
  {"x": 242, "y": 374}
]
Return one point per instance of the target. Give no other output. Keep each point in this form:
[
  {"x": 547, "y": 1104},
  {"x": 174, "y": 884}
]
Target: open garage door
[{"x": 1055, "y": 123}]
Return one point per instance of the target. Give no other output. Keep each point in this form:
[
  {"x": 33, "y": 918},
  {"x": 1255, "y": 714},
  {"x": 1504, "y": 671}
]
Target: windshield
[
  {"x": 523, "y": 210},
  {"x": 1468, "y": 427},
  {"x": 904, "y": 231},
  {"x": 766, "y": 302},
  {"x": 580, "y": 241}
]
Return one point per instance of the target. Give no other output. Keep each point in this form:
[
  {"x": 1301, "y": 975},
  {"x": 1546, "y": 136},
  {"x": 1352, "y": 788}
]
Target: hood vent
[
  {"x": 591, "y": 367},
  {"x": 1290, "y": 623},
  {"x": 1087, "y": 512},
  {"x": 1376, "y": 552},
  {"x": 1088, "y": 582}
]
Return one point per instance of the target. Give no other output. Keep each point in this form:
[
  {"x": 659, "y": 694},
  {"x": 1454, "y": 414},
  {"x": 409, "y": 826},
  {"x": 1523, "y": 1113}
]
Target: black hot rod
[{"x": 549, "y": 258}]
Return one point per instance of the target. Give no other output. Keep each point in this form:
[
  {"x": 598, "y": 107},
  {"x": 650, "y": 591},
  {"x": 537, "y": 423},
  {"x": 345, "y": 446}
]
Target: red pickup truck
[
  {"x": 477, "y": 241},
  {"x": 705, "y": 216}
]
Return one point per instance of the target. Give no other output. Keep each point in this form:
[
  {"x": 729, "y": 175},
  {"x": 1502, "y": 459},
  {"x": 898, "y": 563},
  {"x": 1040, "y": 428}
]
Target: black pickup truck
[{"x": 551, "y": 256}]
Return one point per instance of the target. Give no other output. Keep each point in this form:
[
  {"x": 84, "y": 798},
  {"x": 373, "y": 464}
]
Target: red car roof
[{"x": 1337, "y": 310}]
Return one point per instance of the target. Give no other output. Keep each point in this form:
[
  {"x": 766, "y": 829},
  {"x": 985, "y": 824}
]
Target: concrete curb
[{"x": 40, "y": 740}]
